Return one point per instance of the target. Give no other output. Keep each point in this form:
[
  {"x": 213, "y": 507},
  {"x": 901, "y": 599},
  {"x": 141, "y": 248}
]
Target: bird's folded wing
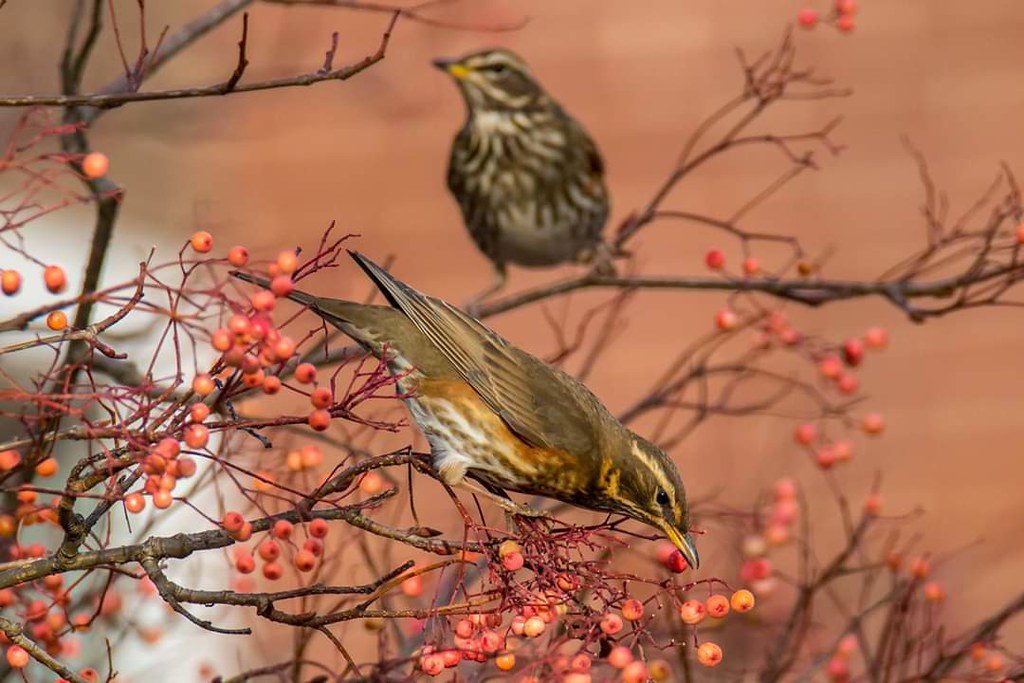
[{"x": 536, "y": 401}]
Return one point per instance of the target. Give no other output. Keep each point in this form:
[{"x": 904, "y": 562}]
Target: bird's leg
[
  {"x": 504, "y": 502},
  {"x": 500, "y": 279}
]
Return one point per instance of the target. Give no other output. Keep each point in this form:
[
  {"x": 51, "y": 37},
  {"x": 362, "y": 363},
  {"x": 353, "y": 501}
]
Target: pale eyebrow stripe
[{"x": 656, "y": 471}]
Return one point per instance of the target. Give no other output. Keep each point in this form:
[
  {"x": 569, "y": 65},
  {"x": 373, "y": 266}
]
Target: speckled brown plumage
[
  {"x": 528, "y": 179},
  {"x": 494, "y": 413}
]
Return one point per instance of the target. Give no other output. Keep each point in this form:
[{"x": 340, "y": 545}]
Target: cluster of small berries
[
  {"x": 276, "y": 541},
  {"x": 841, "y": 16}
]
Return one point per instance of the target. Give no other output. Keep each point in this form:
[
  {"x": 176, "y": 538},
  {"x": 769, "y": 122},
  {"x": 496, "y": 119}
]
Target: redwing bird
[
  {"x": 527, "y": 177},
  {"x": 497, "y": 415}
]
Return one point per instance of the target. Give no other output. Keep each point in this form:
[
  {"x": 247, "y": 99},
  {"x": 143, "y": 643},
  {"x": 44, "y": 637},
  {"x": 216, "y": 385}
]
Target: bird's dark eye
[
  {"x": 662, "y": 497},
  {"x": 496, "y": 68}
]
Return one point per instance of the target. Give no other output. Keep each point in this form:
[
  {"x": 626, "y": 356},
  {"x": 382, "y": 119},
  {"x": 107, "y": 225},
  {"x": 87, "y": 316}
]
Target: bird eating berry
[{"x": 498, "y": 419}]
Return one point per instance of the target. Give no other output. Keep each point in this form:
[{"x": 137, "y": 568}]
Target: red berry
[
  {"x": 282, "y": 285},
  {"x": 581, "y": 663},
  {"x": 240, "y": 324},
  {"x": 533, "y": 627},
  {"x": 55, "y": 279},
  {"x": 826, "y": 457},
  {"x": 315, "y": 546},
  {"x": 287, "y": 262},
  {"x": 221, "y": 340},
  {"x": 853, "y": 352},
  {"x": 805, "y": 434},
  {"x": 17, "y": 657},
  {"x": 632, "y": 610},
  {"x": 271, "y": 384},
  {"x": 491, "y": 641},
  {"x": 319, "y": 420},
  {"x": 432, "y": 665},
  {"x": 305, "y": 373},
  {"x": 726, "y": 319},
  {"x": 505, "y": 661},
  {"x": 714, "y": 259},
  {"x": 304, "y": 561},
  {"x": 846, "y": 6},
  {"x": 845, "y": 23},
  {"x": 847, "y": 383},
  {"x": 95, "y": 165},
  {"x": 620, "y": 657},
  {"x": 371, "y": 483},
  {"x": 10, "y": 282},
  {"x": 203, "y": 385},
  {"x": 1019, "y": 234},
  {"x": 284, "y": 349},
  {"x": 830, "y": 366},
  {"x": 186, "y": 467},
  {"x": 508, "y": 547},
  {"x": 273, "y": 571},
  {"x": 238, "y": 256},
  {"x": 134, "y": 502},
  {"x": 244, "y": 563},
  {"x": 201, "y": 241},
  {"x": 196, "y": 435},
  {"x": 873, "y": 505},
  {"x": 807, "y": 17},
  {"x": 269, "y": 550},
  {"x": 57, "y": 320},
  {"x": 718, "y": 606},
  {"x": 838, "y": 669},
  {"x": 611, "y": 624},
  {"x": 677, "y": 563},
  {"x": 877, "y": 337},
  {"x": 232, "y": 521},
  {"x": 709, "y": 654},
  {"x": 873, "y": 423},
  {"x": 282, "y": 529},
  {"x": 199, "y": 412},
  {"x": 451, "y": 658},
  {"x": 635, "y": 672},
  {"x": 321, "y": 397},
  {"x": 263, "y": 300},
  {"x": 464, "y": 628},
  {"x": 692, "y": 612},
  {"x": 319, "y": 528},
  {"x": 751, "y": 266},
  {"x": 513, "y": 561},
  {"x": 9, "y": 459},
  {"x": 412, "y": 586},
  {"x": 742, "y": 600}
]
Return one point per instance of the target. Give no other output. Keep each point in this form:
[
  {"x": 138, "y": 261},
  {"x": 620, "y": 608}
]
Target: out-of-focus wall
[{"x": 272, "y": 169}]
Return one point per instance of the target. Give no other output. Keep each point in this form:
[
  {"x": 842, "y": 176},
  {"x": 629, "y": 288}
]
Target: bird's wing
[{"x": 541, "y": 405}]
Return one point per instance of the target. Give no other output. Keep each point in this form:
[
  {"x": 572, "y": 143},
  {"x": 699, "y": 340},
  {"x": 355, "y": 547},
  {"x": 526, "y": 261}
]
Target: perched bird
[
  {"x": 496, "y": 415},
  {"x": 527, "y": 177}
]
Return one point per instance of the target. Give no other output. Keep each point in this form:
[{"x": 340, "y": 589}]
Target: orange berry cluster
[
  {"x": 270, "y": 549},
  {"x": 841, "y": 17},
  {"x": 717, "y": 606},
  {"x": 164, "y": 466},
  {"x": 252, "y": 346},
  {"x": 56, "y": 281}
]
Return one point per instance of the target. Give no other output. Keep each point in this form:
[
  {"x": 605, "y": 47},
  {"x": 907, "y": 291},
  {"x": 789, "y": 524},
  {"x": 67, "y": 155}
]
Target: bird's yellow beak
[
  {"x": 454, "y": 68},
  {"x": 684, "y": 542}
]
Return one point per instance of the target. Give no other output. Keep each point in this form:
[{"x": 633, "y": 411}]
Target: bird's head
[
  {"x": 494, "y": 80},
  {"x": 647, "y": 488}
]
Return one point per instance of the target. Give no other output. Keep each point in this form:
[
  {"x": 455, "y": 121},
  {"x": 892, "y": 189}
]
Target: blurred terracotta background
[{"x": 270, "y": 170}]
